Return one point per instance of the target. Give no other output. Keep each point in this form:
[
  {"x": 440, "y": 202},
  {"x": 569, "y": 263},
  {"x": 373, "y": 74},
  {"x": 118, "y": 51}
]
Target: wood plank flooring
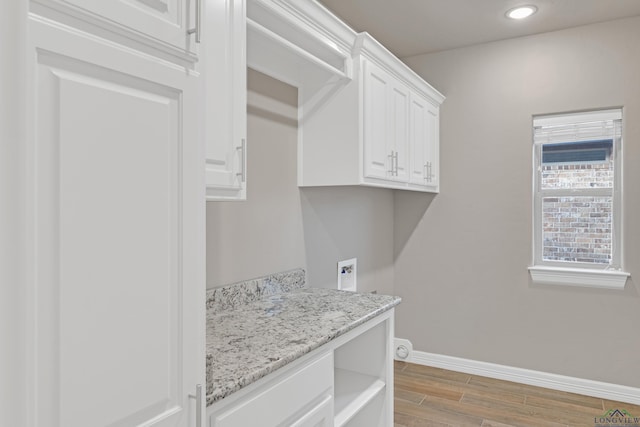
[{"x": 432, "y": 397}]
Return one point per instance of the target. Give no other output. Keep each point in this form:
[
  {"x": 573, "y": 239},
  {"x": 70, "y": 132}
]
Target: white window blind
[{"x": 577, "y": 127}]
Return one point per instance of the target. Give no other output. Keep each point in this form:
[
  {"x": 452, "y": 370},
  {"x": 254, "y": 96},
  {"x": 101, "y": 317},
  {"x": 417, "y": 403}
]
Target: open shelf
[
  {"x": 352, "y": 392},
  {"x": 284, "y": 45},
  {"x": 293, "y": 62},
  {"x": 373, "y": 414},
  {"x": 361, "y": 373}
]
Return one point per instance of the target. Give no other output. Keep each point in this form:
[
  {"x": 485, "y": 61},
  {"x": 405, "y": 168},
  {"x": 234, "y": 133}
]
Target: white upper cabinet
[
  {"x": 201, "y": 35},
  {"x": 225, "y": 100},
  {"x": 380, "y": 129},
  {"x": 115, "y": 215},
  {"x": 364, "y": 118},
  {"x": 165, "y": 28}
]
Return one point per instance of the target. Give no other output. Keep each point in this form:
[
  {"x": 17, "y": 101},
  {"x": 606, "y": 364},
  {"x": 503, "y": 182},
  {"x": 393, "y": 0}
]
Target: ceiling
[{"x": 411, "y": 27}]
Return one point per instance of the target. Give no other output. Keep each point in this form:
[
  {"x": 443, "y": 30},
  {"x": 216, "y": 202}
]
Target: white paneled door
[
  {"x": 423, "y": 141},
  {"x": 379, "y": 154},
  {"x": 116, "y": 207},
  {"x": 399, "y": 127},
  {"x": 386, "y": 125},
  {"x": 433, "y": 144},
  {"x": 418, "y": 139}
]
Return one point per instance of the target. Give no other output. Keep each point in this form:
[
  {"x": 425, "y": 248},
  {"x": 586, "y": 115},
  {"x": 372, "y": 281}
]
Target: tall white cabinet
[{"x": 114, "y": 214}]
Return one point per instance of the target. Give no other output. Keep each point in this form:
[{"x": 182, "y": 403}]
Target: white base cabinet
[
  {"x": 294, "y": 399},
  {"x": 346, "y": 382}
]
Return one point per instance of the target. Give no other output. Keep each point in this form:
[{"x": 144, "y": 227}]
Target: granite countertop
[{"x": 251, "y": 340}]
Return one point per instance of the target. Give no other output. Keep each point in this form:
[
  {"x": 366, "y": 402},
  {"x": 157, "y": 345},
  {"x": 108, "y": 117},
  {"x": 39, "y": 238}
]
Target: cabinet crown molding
[
  {"x": 370, "y": 48},
  {"x": 320, "y": 19}
]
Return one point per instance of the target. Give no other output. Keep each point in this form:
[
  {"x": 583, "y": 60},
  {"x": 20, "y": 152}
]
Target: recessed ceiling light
[{"x": 521, "y": 12}]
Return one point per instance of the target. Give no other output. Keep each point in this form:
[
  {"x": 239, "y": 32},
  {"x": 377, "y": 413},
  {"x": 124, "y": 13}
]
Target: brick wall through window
[{"x": 577, "y": 228}]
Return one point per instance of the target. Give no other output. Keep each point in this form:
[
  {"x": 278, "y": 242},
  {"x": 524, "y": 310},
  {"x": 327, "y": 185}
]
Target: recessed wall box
[{"x": 347, "y": 274}]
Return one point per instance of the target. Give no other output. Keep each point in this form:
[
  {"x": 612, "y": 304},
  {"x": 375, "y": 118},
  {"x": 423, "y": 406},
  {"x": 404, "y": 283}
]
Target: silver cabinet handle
[
  {"x": 396, "y": 157},
  {"x": 391, "y": 157},
  {"x": 198, "y": 398},
  {"x": 197, "y": 29},
  {"x": 427, "y": 172},
  {"x": 243, "y": 148}
]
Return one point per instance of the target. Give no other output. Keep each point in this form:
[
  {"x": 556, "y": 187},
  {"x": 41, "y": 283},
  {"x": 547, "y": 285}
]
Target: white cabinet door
[
  {"x": 161, "y": 22},
  {"x": 399, "y": 126},
  {"x": 386, "y": 131},
  {"x": 116, "y": 225},
  {"x": 423, "y": 142},
  {"x": 418, "y": 137},
  {"x": 378, "y": 150},
  {"x": 224, "y": 52},
  {"x": 432, "y": 177}
]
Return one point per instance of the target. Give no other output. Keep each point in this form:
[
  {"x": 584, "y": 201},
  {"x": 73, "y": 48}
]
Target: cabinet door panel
[
  {"x": 386, "y": 122},
  {"x": 399, "y": 123},
  {"x": 226, "y": 100},
  {"x": 377, "y": 147},
  {"x": 433, "y": 147},
  {"x": 418, "y": 140},
  {"x": 166, "y": 22},
  {"x": 115, "y": 218},
  {"x": 423, "y": 142}
]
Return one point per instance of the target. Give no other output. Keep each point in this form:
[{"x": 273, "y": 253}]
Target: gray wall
[
  {"x": 462, "y": 257},
  {"x": 280, "y": 226}
]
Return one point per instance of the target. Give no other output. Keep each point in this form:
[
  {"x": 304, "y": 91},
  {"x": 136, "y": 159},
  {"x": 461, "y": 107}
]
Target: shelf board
[
  {"x": 272, "y": 54},
  {"x": 352, "y": 392}
]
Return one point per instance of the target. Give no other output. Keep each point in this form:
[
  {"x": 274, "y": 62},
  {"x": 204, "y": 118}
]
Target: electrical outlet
[{"x": 347, "y": 274}]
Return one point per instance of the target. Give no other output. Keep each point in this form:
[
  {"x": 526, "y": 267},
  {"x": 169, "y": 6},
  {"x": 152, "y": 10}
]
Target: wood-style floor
[{"x": 435, "y": 397}]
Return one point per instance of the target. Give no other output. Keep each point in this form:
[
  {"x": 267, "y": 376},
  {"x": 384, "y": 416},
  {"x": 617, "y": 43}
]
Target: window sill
[{"x": 604, "y": 279}]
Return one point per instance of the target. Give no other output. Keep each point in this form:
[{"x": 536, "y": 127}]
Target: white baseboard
[{"x": 620, "y": 393}]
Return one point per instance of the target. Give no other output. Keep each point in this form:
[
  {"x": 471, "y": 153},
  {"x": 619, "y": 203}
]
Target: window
[{"x": 577, "y": 199}]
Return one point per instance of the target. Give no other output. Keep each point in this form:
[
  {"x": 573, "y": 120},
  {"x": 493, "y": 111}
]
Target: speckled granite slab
[
  {"x": 234, "y": 295},
  {"x": 252, "y": 340}
]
